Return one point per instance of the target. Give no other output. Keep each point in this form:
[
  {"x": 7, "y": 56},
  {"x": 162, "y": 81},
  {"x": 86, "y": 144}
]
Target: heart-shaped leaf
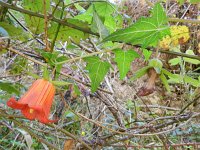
[{"x": 97, "y": 70}]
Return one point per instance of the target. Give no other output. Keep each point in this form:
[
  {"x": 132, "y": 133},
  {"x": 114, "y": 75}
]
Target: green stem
[
  {"x": 180, "y": 54},
  {"x": 184, "y": 20},
  {"x": 58, "y": 28},
  {"x": 81, "y": 57}
]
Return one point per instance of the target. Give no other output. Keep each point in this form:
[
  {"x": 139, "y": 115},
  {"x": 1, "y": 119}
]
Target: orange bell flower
[{"x": 36, "y": 102}]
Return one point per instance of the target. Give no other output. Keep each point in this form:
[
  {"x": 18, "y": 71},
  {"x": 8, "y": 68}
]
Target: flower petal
[
  {"x": 15, "y": 104},
  {"x": 26, "y": 97},
  {"x": 28, "y": 114}
]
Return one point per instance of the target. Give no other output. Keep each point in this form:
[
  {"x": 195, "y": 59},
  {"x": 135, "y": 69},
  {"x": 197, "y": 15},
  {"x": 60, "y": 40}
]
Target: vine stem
[
  {"x": 31, "y": 13},
  {"x": 46, "y": 26},
  {"x": 180, "y": 54},
  {"x": 184, "y": 20},
  {"x": 64, "y": 22},
  {"x": 62, "y": 73},
  {"x": 88, "y": 55},
  {"x": 58, "y": 27}
]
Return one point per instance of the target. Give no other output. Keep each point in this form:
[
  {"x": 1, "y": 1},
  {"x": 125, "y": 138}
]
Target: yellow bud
[{"x": 83, "y": 133}]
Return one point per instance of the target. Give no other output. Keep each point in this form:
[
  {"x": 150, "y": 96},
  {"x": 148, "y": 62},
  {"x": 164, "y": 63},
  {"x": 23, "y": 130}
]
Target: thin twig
[
  {"x": 190, "y": 103},
  {"x": 155, "y": 146},
  {"x": 23, "y": 126},
  {"x": 25, "y": 28},
  {"x": 13, "y": 117},
  {"x": 81, "y": 46}
]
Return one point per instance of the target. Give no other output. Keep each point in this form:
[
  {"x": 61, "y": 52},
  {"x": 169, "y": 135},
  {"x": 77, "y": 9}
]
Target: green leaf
[
  {"x": 181, "y": 2},
  {"x": 79, "y": 8},
  {"x": 194, "y": 1},
  {"x": 139, "y": 73},
  {"x": 19, "y": 66},
  {"x": 111, "y": 23},
  {"x": 70, "y": 114},
  {"x": 184, "y": 79},
  {"x": 146, "y": 53},
  {"x": 145, "y": 31},
  {"x": 76, "y": 90},
  {"x": 105, "y": 11},
  {"x": 46, "y": 73},
  {"x": 59, "y": 66},
  {"x": 7, "y": 29},
  {"x": 156, "y": 64},
  {"x": 50, "y": 57},
  {"x": 78, "y": 23},
  {"x": 35, "y": 24},
  {"x": 175, "y": 79},
  {"x": 169, "y": 74},
  {"x": 33, "y": 75},
  {"x": 36, "y": 5},
  {"x": 53, "y": 59},
  {"x": 60, "y": 83},
  {"x": 9, "y": 87},
  {"x": 97, "y": 71},
  {"x": 66, "y": 2},
  {"x": 189, "y": 60},
  {"x": 98, "y": 26},
  {"x": 165, "y": 82},
  {"x": 189, "y": 80},
  {"x": 175, "y": 61},
  {"x": 66, "y": 32},
  {"x": 124, "y": 59},
  {"x": 60, "y": 59}
]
